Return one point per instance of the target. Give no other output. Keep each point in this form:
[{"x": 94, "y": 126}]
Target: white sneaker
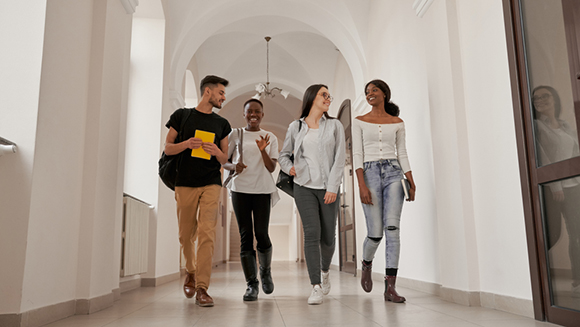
[
  {"x": 325, "y": 282},
  {"x": 316, "y": 295}
]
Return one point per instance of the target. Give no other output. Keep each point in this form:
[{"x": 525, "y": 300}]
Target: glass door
[{"x": 546, "y": 40}]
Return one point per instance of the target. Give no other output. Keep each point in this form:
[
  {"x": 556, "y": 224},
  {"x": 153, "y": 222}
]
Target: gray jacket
[{"x": 331, "y": 147}]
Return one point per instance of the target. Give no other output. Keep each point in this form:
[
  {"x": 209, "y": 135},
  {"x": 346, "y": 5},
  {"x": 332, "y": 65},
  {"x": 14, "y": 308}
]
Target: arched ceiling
[
  {"x": 297, "y": 60},
  {"x": 300, "y": 29},
  {"x": 226, "y": 38}
]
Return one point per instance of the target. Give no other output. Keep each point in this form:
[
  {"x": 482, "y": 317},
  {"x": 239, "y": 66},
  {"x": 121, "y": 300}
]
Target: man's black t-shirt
[{"x": 193, "y": 171}]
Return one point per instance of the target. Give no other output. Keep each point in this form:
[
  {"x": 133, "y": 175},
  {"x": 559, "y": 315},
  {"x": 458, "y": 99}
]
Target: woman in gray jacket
[{"x": 317, "y": 142}]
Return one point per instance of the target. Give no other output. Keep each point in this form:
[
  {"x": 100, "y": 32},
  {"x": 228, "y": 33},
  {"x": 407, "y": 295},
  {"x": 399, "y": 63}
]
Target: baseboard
[
  {"x": 54, "y": 312},
  {"x": 467, "y": 298},
  {"x": 116, "y": 294},
  {"x": 10, "y": 319},
  {"x": 156, "y": 281},
  {"x": 499, "y": 302},
  {"x": 39, "y": 317},
  {"x": 88, "y": 306},
  {"x": 418, "y": 285},
  {"x": 128, "y": 284},
  {"x": 509, "y": 304}
]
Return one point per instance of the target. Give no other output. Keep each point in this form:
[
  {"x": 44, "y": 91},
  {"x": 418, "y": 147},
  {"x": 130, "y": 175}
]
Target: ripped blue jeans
[{"x": 383, "y": 178}]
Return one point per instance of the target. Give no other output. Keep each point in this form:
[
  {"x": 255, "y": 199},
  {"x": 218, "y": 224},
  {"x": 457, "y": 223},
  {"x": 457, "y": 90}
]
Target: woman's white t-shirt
[{"x": 255, "y": 178}]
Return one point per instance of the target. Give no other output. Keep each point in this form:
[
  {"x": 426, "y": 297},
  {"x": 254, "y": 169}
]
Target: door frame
[
  {"x": 531, "y": 175},
  {"x": 345, "y": 108}
]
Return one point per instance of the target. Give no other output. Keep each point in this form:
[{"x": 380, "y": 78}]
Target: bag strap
[
  {"x": 179, "y": 137},
  {"x": 241, "y": 143},
  {"x": 184, "y": 119}
]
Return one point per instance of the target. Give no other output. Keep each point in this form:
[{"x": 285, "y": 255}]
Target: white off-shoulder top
[{"x": 373, "y": 142}]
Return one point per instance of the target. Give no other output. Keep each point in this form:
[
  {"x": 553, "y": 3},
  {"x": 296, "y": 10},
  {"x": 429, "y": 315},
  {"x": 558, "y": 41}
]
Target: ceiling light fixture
[{"x": 264, "y": 90}]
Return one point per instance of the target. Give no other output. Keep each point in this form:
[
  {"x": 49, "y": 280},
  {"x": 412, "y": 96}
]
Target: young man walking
[{"x": 203, "y": 149}]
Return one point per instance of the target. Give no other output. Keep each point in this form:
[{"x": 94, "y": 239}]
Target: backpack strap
[{"x": 186, "y": 113}]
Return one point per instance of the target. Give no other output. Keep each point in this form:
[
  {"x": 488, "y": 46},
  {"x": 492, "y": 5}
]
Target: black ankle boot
[
  {"x": 265, "y": 258},
  {"x": 249, "y": 266}
]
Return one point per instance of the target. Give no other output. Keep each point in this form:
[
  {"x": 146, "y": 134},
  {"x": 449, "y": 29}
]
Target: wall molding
[
  {"x": 421, "y": 6},
  {"x": 129, "y": 284},
  {"x": 54, "y": 312},
  {"x": 518, "y": 306},
  {"x": 88, "y": 306},
  {"x": 130, "y": 5},
  {"x": 156, "y": 281}
]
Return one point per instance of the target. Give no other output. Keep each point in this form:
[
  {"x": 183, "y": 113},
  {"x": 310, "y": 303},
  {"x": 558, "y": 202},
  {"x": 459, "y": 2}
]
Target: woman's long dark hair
[
  {"x": 390, "y": 108},
  {"x": 555, "y": 96},
  {"x": 308, "y": 99}
]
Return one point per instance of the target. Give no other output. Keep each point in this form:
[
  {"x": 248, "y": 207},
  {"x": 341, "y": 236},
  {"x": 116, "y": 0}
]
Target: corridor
[{"x": 346, "y": 305}]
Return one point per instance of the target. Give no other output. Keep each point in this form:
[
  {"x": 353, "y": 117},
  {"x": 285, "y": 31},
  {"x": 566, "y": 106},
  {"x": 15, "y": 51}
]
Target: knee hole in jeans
[
  {"x": 375, "y": 239},
  {"x": 392, "y": 228}
]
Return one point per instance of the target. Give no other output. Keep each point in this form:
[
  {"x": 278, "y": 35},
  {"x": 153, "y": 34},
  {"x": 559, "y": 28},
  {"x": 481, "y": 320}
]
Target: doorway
[
  {"x": 543, "y": 39},
  {"x": 346, "y": 221}
]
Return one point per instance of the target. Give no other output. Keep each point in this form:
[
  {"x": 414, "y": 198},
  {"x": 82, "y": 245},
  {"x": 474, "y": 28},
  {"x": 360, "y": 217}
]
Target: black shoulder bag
[
  {"x": 286, "y": 182},
  {"x": 168, "y": 165}
]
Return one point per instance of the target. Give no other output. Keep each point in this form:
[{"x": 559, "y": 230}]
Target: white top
[
  {"x": 255, "y": 178},
  {"x": 557, "y": 144},
  {"x": 373, "y": 142},
  {"x": 311, "y": 155},
  {"x": 331, "y": 152}
]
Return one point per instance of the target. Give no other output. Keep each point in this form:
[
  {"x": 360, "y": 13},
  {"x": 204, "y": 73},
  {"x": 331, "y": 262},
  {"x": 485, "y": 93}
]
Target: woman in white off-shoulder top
[{"x": 380, "y": 159}]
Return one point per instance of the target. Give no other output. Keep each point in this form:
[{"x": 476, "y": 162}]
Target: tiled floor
[{"x": 346, "y": 305}]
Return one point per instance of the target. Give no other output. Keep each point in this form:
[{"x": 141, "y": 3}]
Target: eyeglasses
[
  {"x": 327, "y": 96},
  {"x": 542, "y": 97}
]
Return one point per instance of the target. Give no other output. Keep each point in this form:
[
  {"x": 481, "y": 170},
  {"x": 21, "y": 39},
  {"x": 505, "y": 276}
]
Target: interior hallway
[{"x": 346, "y": 305}]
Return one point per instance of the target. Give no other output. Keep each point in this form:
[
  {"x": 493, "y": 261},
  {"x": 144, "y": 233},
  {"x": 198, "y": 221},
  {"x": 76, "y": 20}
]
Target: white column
[{"x": 20, "y": 64}]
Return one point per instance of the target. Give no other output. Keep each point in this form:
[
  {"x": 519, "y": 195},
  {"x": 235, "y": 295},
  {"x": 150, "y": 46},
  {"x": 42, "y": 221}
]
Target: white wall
[
  {"x": 396, "y": 54},
  {"x": 497, "y": 200},
  {"x": 166, "y": 240},
  {"x": 144, "y": 138},
  {"x": 101, "y": 212},
  {"x": 20, "y": 63},
  {"x": 143, "y": 117},
  {"x": 59, "y": 157},
  {"x": 448, "y": 72},
  {"x": 69, "y": 120}
]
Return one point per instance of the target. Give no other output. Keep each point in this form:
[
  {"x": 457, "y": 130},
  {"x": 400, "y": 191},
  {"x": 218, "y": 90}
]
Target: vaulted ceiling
[{"x": 226, "y": 38}]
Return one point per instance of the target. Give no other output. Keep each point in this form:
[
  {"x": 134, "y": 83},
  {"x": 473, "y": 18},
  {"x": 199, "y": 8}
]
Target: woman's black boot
[
  {"x": 265, "y": 258},
  {"x": 250, "y": 268}
]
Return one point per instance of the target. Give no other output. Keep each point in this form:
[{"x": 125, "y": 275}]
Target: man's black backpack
[{"x": 168, "y": 165}]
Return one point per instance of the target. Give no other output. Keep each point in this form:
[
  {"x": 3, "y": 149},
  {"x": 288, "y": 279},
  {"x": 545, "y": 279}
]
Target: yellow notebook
[{"x": 205, "y": 137}]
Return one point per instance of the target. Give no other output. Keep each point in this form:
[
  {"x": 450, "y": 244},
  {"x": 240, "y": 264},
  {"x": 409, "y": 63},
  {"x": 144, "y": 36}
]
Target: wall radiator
[{"x": 134, "y": 244}]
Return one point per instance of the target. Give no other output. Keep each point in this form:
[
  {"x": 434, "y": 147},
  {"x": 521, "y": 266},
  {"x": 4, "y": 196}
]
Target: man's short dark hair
[
  {"x": 254, "y": 100},
  {"x": 212, "y": 81}
]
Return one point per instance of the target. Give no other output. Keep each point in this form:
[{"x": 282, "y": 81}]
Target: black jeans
[{"x": 244, "y": 205}]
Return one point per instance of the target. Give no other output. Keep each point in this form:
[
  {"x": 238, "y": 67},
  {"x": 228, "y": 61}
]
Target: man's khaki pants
[{"x": 200, "y": 226}]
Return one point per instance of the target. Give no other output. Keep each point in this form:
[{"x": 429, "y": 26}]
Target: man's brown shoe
[
  {"x": 189, "y": 286},
  {"x": 203, "y": 299}
]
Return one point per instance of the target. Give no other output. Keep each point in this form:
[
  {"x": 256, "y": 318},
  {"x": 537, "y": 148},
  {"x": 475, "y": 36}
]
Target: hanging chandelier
[{"x": 264, "y": 90}]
